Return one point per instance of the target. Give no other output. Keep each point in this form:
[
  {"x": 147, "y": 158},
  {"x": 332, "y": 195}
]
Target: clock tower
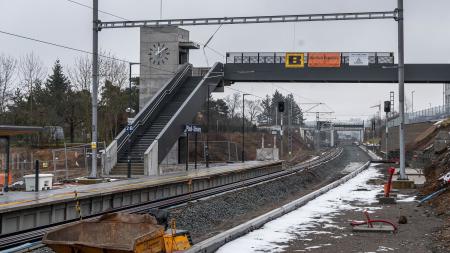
[{"x": 163, "y": 50}]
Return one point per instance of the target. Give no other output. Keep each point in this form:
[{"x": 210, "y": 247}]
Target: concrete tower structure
[{"x": 163, "y": 51}]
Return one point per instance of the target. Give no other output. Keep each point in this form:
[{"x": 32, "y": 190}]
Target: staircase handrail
[{"x": 142, "y": 117}]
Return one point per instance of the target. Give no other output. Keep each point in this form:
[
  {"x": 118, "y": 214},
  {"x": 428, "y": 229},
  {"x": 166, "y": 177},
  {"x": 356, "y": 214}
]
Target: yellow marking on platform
[{"x": 132, "y": 186}]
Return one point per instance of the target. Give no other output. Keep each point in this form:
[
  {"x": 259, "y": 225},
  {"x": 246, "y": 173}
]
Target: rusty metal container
[{"x": 111, "y": 233}]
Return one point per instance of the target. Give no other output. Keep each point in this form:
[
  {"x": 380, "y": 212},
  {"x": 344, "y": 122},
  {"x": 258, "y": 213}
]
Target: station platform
[{"x": 25, "y": 210}]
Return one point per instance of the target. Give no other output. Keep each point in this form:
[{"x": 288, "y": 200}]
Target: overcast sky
[{"x": 427, "y": 38}]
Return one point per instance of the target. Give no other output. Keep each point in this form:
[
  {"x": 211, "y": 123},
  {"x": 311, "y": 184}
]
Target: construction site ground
[{"x": 422, "y": 233}]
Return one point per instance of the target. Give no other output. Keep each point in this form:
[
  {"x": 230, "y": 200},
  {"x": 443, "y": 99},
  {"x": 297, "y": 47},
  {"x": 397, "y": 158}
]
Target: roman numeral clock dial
[{"x": 159, "y": 54}]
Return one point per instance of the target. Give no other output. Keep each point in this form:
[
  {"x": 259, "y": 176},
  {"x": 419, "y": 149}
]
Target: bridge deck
[{"x": 377, "y": 73}]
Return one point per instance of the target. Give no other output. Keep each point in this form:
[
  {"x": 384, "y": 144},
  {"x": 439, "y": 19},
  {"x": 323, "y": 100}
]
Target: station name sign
[{"x": 193, "y": 129}]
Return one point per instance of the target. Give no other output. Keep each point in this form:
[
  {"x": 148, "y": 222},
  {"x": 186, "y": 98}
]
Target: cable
[
  {"x": 212, "y": 36},
  {"x": 216, "y": 51},
  {"x": 245, "y": 92},
  {"x": 117, "y": 16},
  {"x": 75, "y": 49},
  {"x": 104, "y": 12},
  {"x": 312, "y": 100}
]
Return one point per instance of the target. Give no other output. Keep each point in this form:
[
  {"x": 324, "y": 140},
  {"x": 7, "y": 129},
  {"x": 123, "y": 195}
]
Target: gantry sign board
[
  {"x": 295, "y": 60},
  {"x": 324, "y": 59}
]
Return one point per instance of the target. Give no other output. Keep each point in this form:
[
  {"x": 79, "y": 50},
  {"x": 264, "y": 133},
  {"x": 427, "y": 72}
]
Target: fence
[
  {"x": 64, "y": 163},
  {"x": 430, "y": 114},
  {"x": 75, "y": 161},
  {"x": 219, "y": 151}
]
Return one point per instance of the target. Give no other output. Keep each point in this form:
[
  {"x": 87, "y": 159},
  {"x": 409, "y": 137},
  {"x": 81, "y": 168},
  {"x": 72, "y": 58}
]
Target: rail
[
  {"x": 33, "y": 235},
  {"x": 280, "y": 57}
]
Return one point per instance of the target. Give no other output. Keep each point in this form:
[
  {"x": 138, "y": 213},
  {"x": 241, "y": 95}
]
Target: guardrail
[
  {"x": 430, "y": 114},
  {"x": 280, "y": 57},
  {"x": 154, "y": 105}
]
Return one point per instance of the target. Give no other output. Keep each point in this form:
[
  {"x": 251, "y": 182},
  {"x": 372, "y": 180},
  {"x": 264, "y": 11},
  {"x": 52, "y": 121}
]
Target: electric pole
[
  {"x": 94, "y": 87},
  {"x": 401, "y": 87}
]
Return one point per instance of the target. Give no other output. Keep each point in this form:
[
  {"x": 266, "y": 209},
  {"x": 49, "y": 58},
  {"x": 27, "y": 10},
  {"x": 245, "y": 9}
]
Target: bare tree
[
  {"x": 7, "y": 70},
  {"x": 253, "y": 109},
  {"x": 233, "y": 104},
  {"x": 81, "y": 73},
  {"x": 110, "y": 69},
  {"x": 113, "y": 70},
  {"x": 31, "y": 71}
]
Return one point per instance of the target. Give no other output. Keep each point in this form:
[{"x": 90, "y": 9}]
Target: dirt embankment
[
  {"x": 438, "y": 165},
  {"x": 441, "y": 203}
]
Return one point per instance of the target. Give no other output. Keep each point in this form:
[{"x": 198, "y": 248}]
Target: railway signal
[{"x": 281, "y": 106}]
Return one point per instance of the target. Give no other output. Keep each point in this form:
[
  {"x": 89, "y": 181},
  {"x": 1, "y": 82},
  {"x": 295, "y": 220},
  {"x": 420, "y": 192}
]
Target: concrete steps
[{"x": 122, "y": 169}]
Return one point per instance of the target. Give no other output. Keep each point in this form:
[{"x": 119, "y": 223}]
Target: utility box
[{"x": 45, "y": 182}]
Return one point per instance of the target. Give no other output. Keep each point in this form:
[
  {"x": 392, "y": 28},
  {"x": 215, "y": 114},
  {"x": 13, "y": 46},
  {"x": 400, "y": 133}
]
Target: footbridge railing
[{"x": 431, "y": 114}]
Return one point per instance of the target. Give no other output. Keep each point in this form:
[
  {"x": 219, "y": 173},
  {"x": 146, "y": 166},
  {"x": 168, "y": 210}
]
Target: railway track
[{"x": 8, "y": 241}]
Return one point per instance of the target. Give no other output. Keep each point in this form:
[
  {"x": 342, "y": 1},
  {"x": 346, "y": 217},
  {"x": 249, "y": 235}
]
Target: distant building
[{"x": 446, "y": 93}]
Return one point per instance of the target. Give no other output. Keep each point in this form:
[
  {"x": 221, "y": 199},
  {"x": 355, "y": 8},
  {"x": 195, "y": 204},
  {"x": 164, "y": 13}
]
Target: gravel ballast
[{"x": 208, "y": 217}]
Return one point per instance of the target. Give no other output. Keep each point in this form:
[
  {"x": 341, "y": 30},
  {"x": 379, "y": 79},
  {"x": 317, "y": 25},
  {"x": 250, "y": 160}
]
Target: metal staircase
[{"x": 161, "y": 120}]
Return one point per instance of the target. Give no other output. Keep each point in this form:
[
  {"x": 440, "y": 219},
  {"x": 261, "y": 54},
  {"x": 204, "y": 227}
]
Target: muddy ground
[{"x": 417, "y": 236}]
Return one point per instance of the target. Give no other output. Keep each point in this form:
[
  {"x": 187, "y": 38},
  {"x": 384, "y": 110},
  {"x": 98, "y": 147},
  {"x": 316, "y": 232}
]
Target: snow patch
[
  {"x": 352, "y": 167},
  {"x": 384, "y": 249},
  {"x": 409, "y": 199},
  {"x": 274, "y": 235}
]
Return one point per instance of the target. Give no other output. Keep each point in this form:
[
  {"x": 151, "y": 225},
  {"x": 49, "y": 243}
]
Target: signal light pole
[{"x": 387, "y": 110}]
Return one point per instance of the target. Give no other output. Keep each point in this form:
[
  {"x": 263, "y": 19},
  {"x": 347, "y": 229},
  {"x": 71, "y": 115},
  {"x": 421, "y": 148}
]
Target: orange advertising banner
[{"x": 324, "y": 60}]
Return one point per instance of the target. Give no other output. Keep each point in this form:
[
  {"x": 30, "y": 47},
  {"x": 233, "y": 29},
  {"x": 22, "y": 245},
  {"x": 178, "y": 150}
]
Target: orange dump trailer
[{"x": 113, "y": 233}]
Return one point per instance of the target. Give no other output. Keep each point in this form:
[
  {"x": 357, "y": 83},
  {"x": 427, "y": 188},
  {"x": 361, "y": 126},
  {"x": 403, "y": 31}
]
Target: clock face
[{"x": 159, "y": 54}]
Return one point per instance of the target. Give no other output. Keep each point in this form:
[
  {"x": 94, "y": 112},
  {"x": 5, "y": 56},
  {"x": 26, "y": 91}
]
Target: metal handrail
[
  {"x": 279, "y": 57},
  {"x": 144, "y": 115}
]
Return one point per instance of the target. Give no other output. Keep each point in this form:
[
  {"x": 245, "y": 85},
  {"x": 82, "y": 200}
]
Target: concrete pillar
[{"x": 332, "y": 137}]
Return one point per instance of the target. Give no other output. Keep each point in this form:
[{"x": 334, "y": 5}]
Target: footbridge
[{"x": 374, "y": 67}]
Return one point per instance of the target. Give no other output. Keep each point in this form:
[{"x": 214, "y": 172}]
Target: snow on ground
[
  {"x": 310, "y": 218},
  {"x": 405, "y": 198},
  {"x": 351, "y": 167}
]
